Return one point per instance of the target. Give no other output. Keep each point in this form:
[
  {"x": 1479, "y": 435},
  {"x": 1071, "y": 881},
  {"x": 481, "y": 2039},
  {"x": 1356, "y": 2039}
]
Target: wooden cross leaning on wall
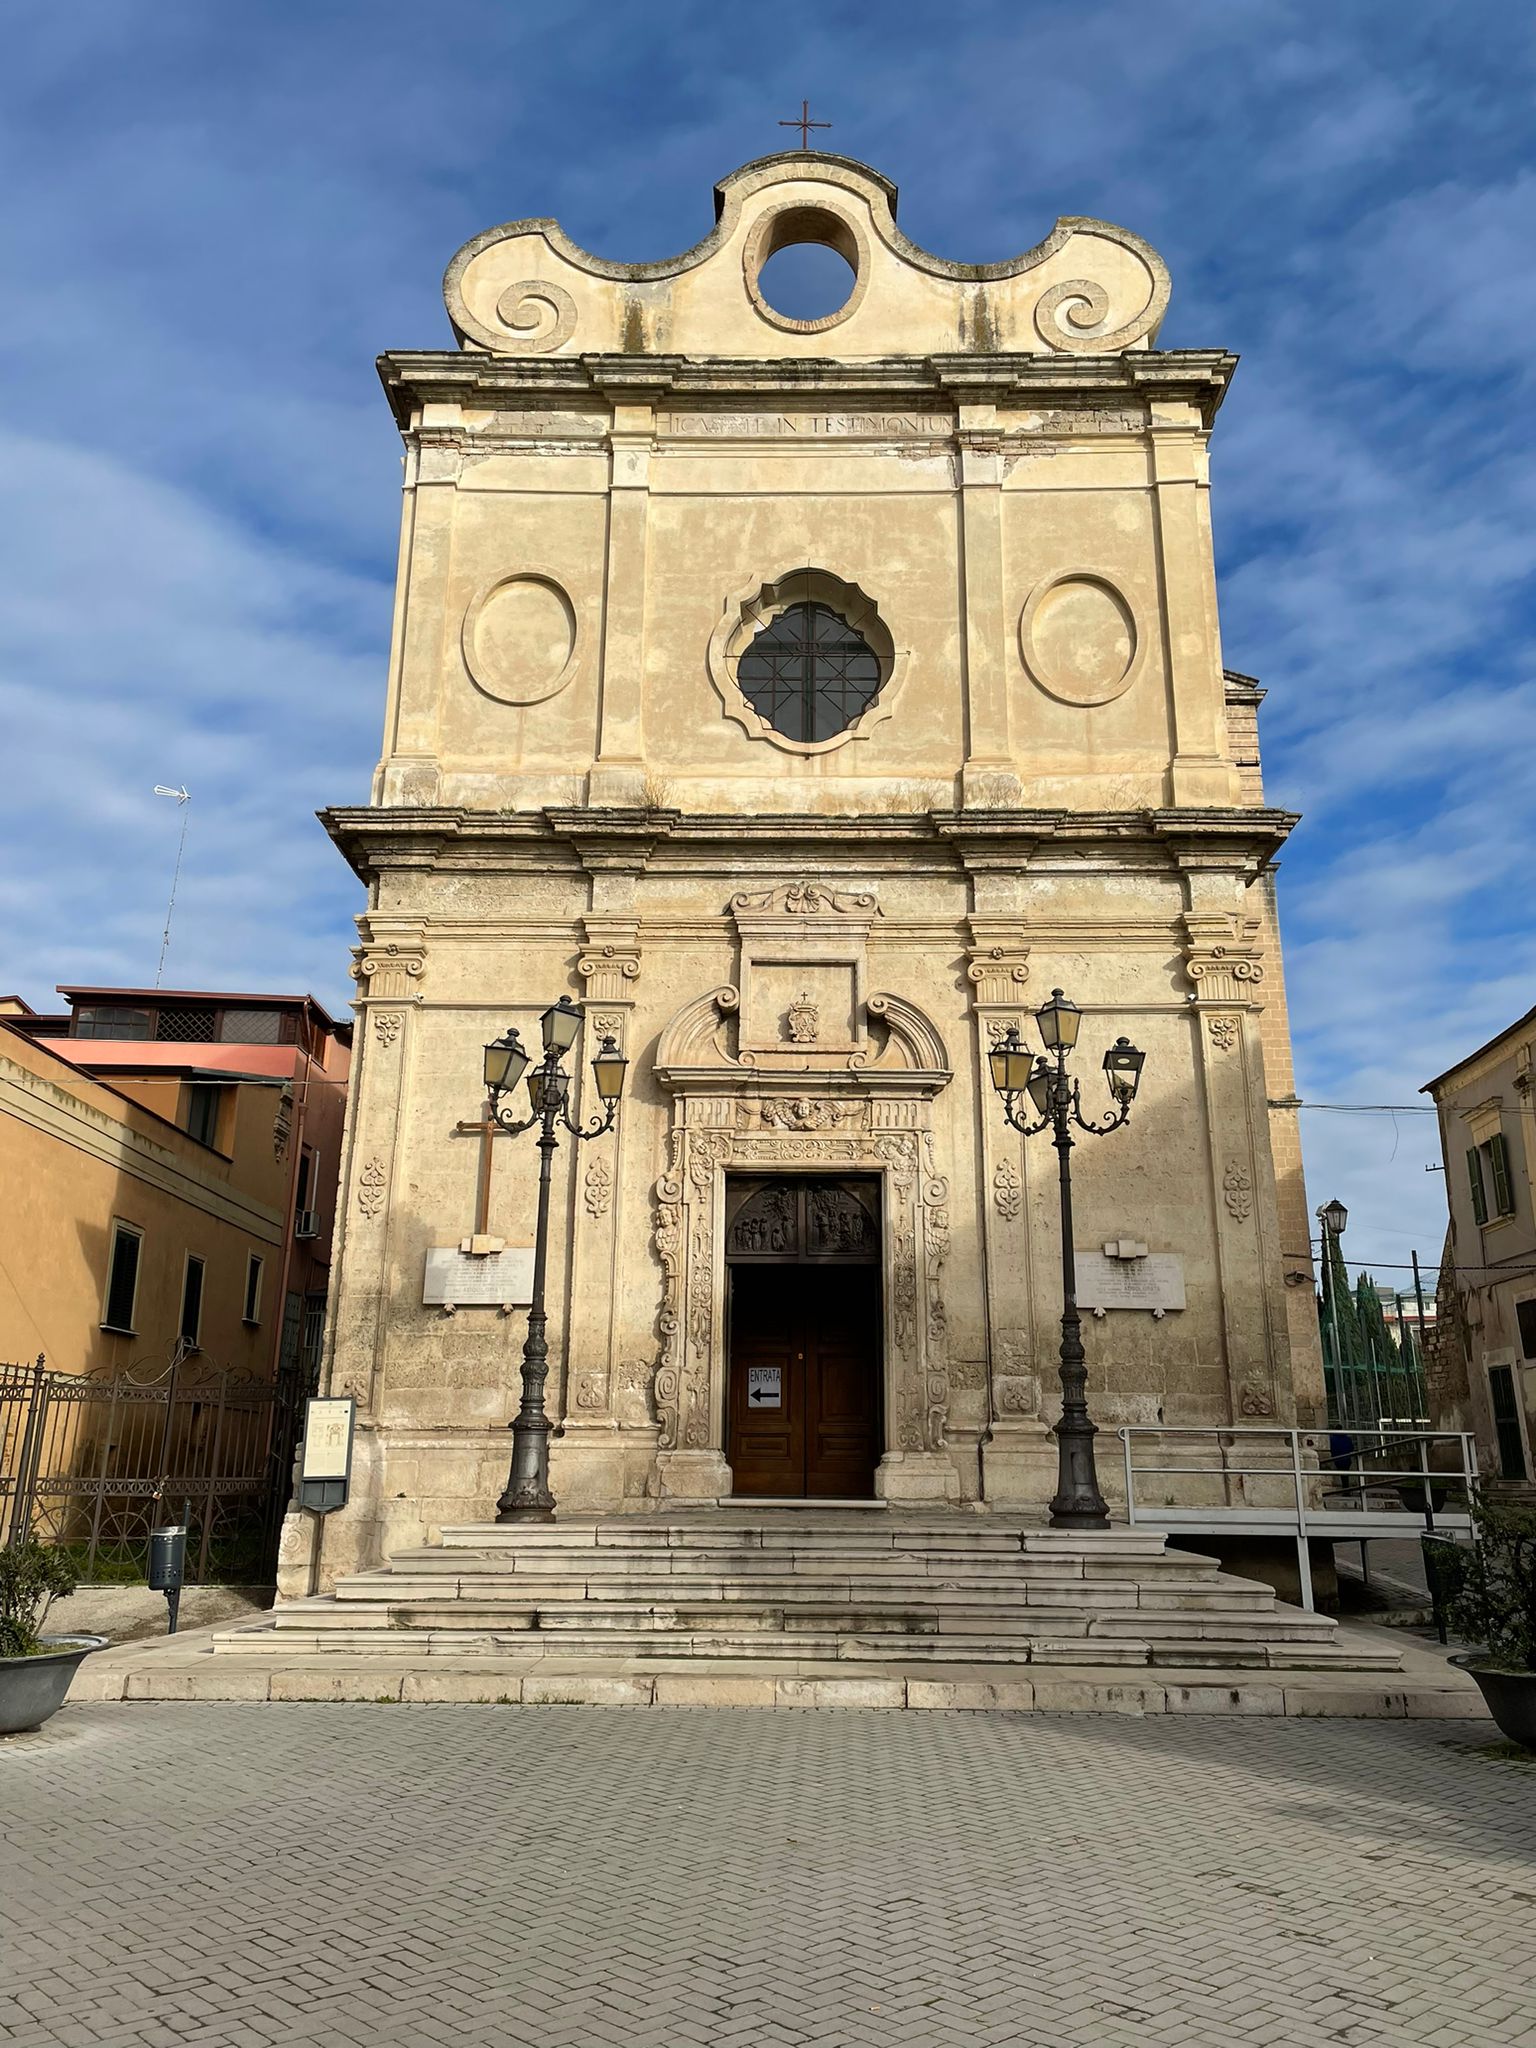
[{"x": 488, "y": 1131}]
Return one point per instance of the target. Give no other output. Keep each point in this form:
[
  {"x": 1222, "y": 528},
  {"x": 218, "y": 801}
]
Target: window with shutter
[
  {"x": 192, "y": 1303},
  {"x": 203, "y": 1100},
  {"x": 122, "y": 1279},
  {"x": 1498, "y": 1161},
  {"x": 1506, "y": 1422},
  {"x": 1475, "y": 1182},
  {"x": 253, "y": 1269}
]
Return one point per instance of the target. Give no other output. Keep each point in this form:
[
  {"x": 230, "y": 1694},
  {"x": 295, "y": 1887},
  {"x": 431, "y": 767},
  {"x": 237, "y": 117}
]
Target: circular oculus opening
[
  {"x": 803, "y": 268},
  {"x": 807, "y": 281}
]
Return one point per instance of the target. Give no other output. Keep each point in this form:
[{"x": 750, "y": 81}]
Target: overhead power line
[
  {"x": 1426, "y": 1267},
  {"x": 1361, "y": 1108},
  {"x": 1383, "y": 1108}
]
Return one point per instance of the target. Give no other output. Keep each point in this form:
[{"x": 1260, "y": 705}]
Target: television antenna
[{"x": 183, "y": 799}]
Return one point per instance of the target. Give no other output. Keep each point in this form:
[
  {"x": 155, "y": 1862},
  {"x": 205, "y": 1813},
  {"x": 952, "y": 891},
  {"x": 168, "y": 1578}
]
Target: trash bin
[
  {"x": 1445, "y": 1567},
  {"x": 168, "y": 1566}
]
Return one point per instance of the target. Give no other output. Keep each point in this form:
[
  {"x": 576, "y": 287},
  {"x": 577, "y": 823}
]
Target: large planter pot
[
  {"x": 1510, "y": 1697},
  {"x": 32, "y": 1688}
]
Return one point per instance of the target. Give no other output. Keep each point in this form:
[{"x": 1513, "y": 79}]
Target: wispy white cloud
[
  {"x": 227, "y": 213},
  {"x": 145, "y": 638}
]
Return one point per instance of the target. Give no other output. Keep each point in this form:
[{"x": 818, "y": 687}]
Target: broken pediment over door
[{"x": 801, "y": 1010}]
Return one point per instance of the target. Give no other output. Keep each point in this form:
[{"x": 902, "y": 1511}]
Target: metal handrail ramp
[{"x": 1334, "y": 1492}]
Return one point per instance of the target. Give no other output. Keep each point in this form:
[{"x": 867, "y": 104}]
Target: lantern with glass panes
[
  {"x": 527, "y": 1497},
  {"x": 1043, "y": 1083}
]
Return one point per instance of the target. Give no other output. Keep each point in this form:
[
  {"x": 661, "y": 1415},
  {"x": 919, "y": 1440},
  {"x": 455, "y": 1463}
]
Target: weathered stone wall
[{"x": 1007, "y": 487}]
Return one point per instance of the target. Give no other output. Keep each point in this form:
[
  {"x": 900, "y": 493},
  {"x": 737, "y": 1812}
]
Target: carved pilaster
[
  {"x": 989, "y": 778},
  {"x": 997, "y": 965},
  {"x": 618, "y": 774},
  {"x": 1223, "y": 958},
  {"x": 1224, "y": 963},
  {"x": 389, "y": 967},
  {"x": 609, "y": 967},
  {"x": 611, "y": 960},
  {"x": 1243, "y": 1203},
  {"x": 997, "y": 968},
  {"x": 390, "y": 962}
]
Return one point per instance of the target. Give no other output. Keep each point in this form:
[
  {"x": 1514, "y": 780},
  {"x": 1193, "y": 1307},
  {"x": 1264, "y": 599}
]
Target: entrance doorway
[{"x": 803, "y": 1400}]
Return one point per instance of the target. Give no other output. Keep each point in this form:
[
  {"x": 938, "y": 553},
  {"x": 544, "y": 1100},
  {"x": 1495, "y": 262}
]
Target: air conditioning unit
[{"x": 307, "y": 1223}]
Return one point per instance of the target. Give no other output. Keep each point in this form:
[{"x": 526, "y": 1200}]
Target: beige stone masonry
[{"x": 805, "y": 941}]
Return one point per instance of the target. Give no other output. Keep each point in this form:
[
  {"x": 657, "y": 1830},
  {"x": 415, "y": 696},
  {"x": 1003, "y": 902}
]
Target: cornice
[
  {"x": 412, "y": 378},
  {"x": 376, "y": 838}
]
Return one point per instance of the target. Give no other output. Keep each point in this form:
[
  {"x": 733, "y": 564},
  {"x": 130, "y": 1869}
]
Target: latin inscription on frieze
[
  {"x": 806, "y": 426},
  {"x": 533, "y": 425}
]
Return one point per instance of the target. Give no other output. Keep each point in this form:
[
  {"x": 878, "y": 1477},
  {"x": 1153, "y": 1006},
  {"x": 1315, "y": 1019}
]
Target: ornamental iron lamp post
[
  {"x": 1333, "y": 1216},
  {"x": 527, "y": 1497},
  {"x": 1055, "y": 1097}
]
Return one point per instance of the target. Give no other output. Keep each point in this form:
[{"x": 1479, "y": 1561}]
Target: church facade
[{"x": 808, "y": 699}]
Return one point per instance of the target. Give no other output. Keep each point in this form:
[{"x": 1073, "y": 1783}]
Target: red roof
[
  {"x": 145, "y": 1055},
  {"x": 74, "y": 994}
]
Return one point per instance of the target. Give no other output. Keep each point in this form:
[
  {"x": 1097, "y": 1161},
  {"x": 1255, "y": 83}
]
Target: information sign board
[{"x": 325, "y": 1459}]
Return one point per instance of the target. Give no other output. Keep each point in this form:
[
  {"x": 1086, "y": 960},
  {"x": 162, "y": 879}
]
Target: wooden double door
[{"x": 804, "y": 1392}]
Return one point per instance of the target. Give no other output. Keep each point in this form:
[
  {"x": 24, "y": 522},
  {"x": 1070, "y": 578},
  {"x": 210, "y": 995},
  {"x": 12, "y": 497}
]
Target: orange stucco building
[{"x": 170, "y": 1162}]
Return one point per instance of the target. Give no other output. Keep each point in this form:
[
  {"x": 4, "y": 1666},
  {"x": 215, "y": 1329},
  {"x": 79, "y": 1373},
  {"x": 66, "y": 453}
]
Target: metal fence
[{"x": 92, "y": 1462}]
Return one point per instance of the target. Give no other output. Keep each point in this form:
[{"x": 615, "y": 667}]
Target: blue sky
[{"x": 215, "y": 217}]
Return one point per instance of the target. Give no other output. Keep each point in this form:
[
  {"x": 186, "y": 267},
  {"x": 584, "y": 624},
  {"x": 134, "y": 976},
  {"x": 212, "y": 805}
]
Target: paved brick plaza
[{"x": 232, "y": 1874}]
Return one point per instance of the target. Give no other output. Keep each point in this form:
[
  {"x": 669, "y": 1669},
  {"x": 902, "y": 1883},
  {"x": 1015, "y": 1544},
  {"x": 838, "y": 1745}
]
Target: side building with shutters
[{"x": 1483, "y": 1375}]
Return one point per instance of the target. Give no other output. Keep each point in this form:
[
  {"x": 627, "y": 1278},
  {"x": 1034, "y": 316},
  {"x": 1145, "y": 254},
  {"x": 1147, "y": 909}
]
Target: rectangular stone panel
[
  {"x": 456, "y": 1277},
  {"x": 802, "y": 1002},
  {"x": 1153, "y": 1282}
]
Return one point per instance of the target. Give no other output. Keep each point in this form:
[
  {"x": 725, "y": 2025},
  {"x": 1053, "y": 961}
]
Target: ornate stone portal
[
  {"x": 742, "y": 1101},
  {"x": 807, "y": 699}
]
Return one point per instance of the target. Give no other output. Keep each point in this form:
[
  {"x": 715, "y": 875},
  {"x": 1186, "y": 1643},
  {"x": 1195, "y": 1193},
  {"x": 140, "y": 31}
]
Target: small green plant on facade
[
  {"x": 32, "y": 1576},
  {"x": 1495, "y": 1604}
]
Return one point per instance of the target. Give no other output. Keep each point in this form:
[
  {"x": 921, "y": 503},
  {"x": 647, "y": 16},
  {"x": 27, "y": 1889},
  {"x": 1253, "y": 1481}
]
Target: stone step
[
  {"x": 758, "y": 1645},
  {"x": 957, "y": 1533},
  {"x": 920, "y": 1596},
  {"x": 788, "y": 1649},
  {"x": 783, "y": 1587},
  {"x": 723, "y": 1542},
  {"x": 586, "y": 1617},
  {"x": 590, "y": 1564},
  {"x": 1286, "y": 1624}
]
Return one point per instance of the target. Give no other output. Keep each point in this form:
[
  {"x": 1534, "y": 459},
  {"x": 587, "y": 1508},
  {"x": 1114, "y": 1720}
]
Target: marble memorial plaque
[
  {"x": 458, "y": 1280},
  {"x": 1155, "y": 1282}
]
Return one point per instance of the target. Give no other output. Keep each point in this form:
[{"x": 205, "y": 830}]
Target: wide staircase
[{"x": 796, "y": 1587}]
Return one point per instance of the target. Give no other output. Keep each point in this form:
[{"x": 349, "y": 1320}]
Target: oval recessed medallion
[
  {"x": 520, "y": 639},
  {"x": 1079, "y": 640}
]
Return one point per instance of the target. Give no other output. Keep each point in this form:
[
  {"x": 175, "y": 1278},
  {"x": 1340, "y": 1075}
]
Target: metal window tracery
[{"x": 810, "y": 673}]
